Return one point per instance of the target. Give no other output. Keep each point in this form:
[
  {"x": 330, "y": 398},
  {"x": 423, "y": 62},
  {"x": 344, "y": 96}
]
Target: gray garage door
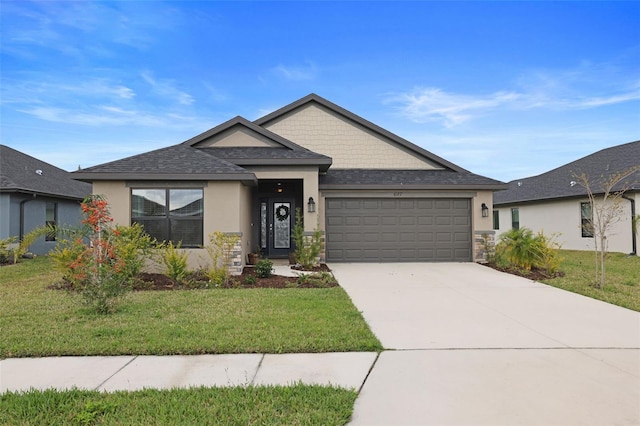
[{"x": 398, "y": 230}]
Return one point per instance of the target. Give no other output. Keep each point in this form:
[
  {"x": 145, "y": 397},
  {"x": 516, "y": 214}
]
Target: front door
[{"x": 276, "y": 222}]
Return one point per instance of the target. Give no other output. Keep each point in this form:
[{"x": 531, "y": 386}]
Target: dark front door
[{"x": 276, "y": 223}]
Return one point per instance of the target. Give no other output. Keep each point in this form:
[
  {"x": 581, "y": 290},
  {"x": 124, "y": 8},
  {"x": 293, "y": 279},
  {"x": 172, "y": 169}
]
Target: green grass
[
  {"x": 622, "y": 286},
  {"x": 295, "y": 405},
  {"x": 38, "y": 322}
]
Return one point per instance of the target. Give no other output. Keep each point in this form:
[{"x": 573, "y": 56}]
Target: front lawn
[
  {"x": 36, "y": 321},
  {"x": 295, "y": 405},
  {"x": 622, "y": 277}
]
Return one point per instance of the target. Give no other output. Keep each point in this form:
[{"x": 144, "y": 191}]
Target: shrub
[
  {"x": 132, "y": 246},
  {"x": 307, "y": 248},
  {"x": 250, "y": 280},
  {"x": 6, "y": 254},
  {"x": 220, "y": 250},
  {"x": 175, "y": 261},
  {"x": 521, "y": 249},
  {"x": 264, "y": 268},
  {"x": 317, "y": 279}
]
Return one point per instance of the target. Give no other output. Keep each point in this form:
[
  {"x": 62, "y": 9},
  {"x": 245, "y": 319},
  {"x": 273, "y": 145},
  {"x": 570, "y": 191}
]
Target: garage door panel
[{"x": 385, "y": 230}]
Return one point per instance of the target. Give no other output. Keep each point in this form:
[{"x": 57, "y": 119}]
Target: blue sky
[{"x": 504, "y": 89}]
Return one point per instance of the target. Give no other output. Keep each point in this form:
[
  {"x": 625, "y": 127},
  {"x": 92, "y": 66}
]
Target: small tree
[
  {"x": 101, "y": 261},
  {"x": 307, "y": 247},
  {"x": 220, "y": 250},
  {"x": 606, "y": 201}
]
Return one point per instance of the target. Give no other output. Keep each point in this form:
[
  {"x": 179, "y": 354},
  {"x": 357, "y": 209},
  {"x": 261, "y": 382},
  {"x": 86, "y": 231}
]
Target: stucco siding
[
  {"x": 347, "y": 143},
  {"x": 562, "y": 219},
  {"x": 5, "y": 216}
]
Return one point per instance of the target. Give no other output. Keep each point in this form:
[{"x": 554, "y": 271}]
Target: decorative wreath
[{"x": 282, "y": 213}]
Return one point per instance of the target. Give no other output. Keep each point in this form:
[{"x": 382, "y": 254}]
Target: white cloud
[
  {"x": 166, "y": 88},
  {"x": 433, "y": 104},
  {"x": 296, "y": 73},
  {"x": 585, "y": 87}
]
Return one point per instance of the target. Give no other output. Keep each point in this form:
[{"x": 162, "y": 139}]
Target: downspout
[
  {"x": 22, "y": 203},
  {"x": 633, "y": 231}
]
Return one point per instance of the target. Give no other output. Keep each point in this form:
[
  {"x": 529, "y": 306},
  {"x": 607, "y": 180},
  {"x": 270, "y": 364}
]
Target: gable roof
[
  {"x": 561, "y": 182},
  {"x": 313, "y": 98},
  {"x": 20, "y": 172}
]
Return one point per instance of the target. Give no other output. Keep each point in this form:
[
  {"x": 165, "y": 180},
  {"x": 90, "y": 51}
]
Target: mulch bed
[
  {"x": 248, "y": 279},
  {"x": 534, "y": 274}
]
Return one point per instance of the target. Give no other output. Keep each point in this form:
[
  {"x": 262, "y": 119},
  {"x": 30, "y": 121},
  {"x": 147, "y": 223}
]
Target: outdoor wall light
[
  {"x": 485, "y": 210},
  {"x": 311, "y": 205}
]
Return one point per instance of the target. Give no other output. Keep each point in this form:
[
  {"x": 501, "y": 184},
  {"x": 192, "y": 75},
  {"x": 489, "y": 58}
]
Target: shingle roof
[
  {"x": 177, "y": 162},
  {"x": 561, "y": 182},
  {"x": 19, "y": 173},
  {"x": 407, "y": 179},
  {"x": 248, "y": 156}
]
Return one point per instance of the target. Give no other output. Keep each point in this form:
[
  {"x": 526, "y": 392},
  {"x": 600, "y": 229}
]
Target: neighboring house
[
  {"x": 34, "y": 193},
  {"x": 376, "y": 196},
  {"x": 555, "y": 203}
]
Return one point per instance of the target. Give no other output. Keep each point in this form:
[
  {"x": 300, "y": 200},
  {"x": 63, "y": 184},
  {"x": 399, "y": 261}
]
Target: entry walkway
[{"x": 473, "y": 346}]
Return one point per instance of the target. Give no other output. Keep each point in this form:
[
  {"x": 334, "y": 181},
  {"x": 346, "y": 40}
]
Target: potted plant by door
[{"x": 252, "y": 258}]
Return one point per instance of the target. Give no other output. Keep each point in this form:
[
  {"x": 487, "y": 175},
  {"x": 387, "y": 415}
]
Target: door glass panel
[
  {"x": 263, "y": 225},
  {"x": 281, "y": 225}
]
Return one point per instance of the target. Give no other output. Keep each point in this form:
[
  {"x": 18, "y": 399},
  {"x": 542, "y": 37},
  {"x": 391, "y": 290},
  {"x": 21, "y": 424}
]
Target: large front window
[{"x": 169, "y": 214}]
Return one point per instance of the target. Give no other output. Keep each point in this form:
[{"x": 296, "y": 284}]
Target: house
[
  {"x": 555, "y": 203},
  {"x": 376, "y": 196},
  {"x": 34, "y": 193}
]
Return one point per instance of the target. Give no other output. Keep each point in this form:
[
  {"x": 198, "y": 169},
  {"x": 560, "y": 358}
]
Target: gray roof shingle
[
  {"x": 177, "y": 162},
  {"x": 248, "y": 156},
  {"x": 407, "y": 179},
  {"x": 19, "y": 173},
  {"x": 557, "y": 183}
]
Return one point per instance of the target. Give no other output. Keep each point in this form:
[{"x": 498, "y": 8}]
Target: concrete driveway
[{"x": 472, "y": 346}]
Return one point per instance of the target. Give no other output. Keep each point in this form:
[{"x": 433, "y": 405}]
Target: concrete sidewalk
[{"x": 345, "y": 369}]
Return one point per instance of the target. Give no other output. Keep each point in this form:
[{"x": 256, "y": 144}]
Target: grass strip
[{"x": 276, "y": 405}]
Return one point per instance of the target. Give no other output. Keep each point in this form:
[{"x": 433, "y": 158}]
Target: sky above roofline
[{"x": 503, "y": 89}]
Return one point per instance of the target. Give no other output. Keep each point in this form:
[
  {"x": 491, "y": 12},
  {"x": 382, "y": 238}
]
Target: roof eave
[
  {"x": 407, "y": 187},
  {"x": 97, "y": 176},
  {"x": 323, "y": 165},
  {"x": 40, "y": 193}
]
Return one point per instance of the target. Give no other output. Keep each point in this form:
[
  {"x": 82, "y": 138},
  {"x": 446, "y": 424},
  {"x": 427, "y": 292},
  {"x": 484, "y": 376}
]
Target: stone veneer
[{"x": 483, "y": 241}]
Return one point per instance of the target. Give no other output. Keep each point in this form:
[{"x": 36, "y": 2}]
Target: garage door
[{"x": 398, "y": 230}]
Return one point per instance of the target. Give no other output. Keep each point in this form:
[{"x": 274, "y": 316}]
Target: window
[
  {"x": 496, "y": 219},
  {"x": 169, "y": 214},
  {"x": 515, "y": 218},
  {"x": 586, "y": 220},
  {"x": 50, "y": 220}
]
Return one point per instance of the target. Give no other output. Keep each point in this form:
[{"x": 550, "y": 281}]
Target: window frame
[
  {"x": 50, "y": 236},
  {"x": 586, "y": 222},
  {"x": 167, "y": 221},
  {"x": 515, "y": 214},
  {"x": 496, "y": 220}
]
